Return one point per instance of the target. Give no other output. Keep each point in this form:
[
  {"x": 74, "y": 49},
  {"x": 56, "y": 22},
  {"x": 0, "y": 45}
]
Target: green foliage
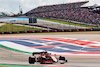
[{"x": 1, "y": 22}]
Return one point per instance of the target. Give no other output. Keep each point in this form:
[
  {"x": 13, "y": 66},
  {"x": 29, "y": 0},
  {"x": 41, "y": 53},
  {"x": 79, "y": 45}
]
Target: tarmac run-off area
[{"x": 82, "y": 49}]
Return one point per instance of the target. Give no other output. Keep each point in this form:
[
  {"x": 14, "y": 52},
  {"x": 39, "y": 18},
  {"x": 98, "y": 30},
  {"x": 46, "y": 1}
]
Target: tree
[{"x": 4, "y": 14}]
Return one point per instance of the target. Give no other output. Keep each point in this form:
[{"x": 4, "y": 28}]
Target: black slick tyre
[{"x": 31, "y": 60}]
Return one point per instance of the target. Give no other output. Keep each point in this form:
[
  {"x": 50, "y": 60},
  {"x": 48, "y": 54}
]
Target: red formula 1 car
[{"x": 46, "y": 58}]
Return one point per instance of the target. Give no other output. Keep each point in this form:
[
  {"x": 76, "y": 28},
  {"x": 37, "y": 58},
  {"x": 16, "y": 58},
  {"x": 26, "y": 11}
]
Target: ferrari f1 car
[{"x": 46, "y": 58}]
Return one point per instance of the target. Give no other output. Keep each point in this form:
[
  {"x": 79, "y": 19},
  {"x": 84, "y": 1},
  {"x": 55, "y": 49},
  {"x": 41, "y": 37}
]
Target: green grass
[
  {"x": 15, "y": 28},
  {"x": 69, "y": 23}
]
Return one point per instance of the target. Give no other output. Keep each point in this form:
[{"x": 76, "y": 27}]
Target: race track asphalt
[{"x": 9, "y": 57}]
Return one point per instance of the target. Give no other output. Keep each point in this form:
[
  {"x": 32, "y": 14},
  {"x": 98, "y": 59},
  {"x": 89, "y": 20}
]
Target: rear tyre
[{"x": 31, "y": 60}]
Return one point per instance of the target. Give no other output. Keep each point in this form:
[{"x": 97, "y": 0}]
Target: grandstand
[
  {"x": 56, "y": 7},
  {"x": 68, "y": 11}
]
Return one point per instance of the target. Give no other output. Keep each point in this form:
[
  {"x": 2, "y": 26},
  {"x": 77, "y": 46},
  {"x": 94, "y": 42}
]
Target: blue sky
[{"x": 13, "y": 5}]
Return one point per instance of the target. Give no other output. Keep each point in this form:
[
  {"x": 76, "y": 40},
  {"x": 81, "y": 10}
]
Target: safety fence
[{"x": 46, "y": 25}]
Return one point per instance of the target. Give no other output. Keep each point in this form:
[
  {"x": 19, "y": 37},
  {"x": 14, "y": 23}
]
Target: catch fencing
[{"x": 46, "y": 25}]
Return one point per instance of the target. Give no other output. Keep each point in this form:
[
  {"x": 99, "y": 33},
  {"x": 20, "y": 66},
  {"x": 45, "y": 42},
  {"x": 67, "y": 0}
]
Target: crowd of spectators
[
  {"x": 57, "y": 7},
  {"x": 71, "y": 12}
]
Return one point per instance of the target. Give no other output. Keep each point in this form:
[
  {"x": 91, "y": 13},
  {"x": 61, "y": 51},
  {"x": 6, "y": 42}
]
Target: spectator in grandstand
[{"x": 70, "y": 11}]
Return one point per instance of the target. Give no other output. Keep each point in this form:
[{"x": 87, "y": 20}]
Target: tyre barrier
[
  {"x": 68, "y": 30},
  {"x": 98, "y": 29}
]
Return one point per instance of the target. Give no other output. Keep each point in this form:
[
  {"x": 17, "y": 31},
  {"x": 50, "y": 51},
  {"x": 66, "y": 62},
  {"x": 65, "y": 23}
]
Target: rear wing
[{"x": 38, "y": 53}]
